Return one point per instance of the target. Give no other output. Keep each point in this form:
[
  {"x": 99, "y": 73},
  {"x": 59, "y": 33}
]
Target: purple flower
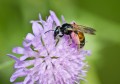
[{"x": 42, "y": 62}]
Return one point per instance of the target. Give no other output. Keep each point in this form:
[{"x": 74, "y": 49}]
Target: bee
[{"x": 76, "y": 32}]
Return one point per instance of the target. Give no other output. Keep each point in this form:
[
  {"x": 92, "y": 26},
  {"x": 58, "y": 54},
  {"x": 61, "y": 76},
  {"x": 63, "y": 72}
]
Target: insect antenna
[{"x": 48, "y": 31}]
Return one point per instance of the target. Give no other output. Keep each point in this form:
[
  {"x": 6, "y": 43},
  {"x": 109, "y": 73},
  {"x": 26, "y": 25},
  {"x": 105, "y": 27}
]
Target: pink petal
[
  {"x": 18, "y": 73},
  {"x": 27, "y": 79},
  {"x": 23, "y": 57},
  {"x": 29, "y": 36},
  {"x": 25, "y": 64},
  {"x": 18, "y": 50},
  {"x": 13, "y": 57},
  {"x": 63, "y": 19},
  {"x": 36, "y": 27},
  {"x": 41, "y": 20},
  {"x": 54, "y": 17}
]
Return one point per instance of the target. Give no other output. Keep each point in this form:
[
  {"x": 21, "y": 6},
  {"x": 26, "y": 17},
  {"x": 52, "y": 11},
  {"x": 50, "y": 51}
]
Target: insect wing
[
  {"x": 89, "y": 30},
  {"x": 85, "y": 29}
]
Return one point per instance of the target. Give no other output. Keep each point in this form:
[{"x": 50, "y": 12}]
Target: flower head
[{"x": 42, "y": 62}]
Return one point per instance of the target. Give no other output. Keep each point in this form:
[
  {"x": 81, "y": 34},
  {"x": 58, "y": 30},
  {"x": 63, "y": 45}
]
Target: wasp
[{"x": 76, "y": 32}]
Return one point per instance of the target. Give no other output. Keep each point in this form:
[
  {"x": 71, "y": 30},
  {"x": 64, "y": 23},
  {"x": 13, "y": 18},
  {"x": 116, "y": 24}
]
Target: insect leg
[{"x": 57, "y": 42}]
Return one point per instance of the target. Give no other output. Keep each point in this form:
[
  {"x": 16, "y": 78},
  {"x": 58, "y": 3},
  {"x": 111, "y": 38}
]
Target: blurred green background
[{"x": 103, "y": 15}]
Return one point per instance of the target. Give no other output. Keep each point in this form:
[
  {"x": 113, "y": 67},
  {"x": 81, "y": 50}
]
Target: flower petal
[
  {"x": 29, "y": 37},
  {"x": 27, "y": 80},
  {"x": 18, "y": 73},
  {"x": 24, "y": 64},
  {"x": 53, "y": 15},
  {"x": 37, "y": 28},
  {"x": 18, "y": 50},
  {"x": 13, "y": 57},
  {"x": 63, "y": 19},
  {"x": 41, "y": 20},
  {"x": 88, "y": 52},
  {"x": 23, "y": 57}
]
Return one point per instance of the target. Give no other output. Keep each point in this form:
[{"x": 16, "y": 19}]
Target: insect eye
[{"x": 57, "y": 31}]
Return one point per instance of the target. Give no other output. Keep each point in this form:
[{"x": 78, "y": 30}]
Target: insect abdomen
[{"x": 82, "y": 39}]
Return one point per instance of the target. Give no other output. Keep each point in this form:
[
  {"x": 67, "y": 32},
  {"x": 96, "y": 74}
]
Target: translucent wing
[
  {"x": 81, "y": 28},
  {"x": 85, "y": 29},
  {"x": 89, "y": 30}
]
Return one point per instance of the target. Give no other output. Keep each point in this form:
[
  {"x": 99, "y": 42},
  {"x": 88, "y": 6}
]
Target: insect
[{"x": 76, "y": 32}]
